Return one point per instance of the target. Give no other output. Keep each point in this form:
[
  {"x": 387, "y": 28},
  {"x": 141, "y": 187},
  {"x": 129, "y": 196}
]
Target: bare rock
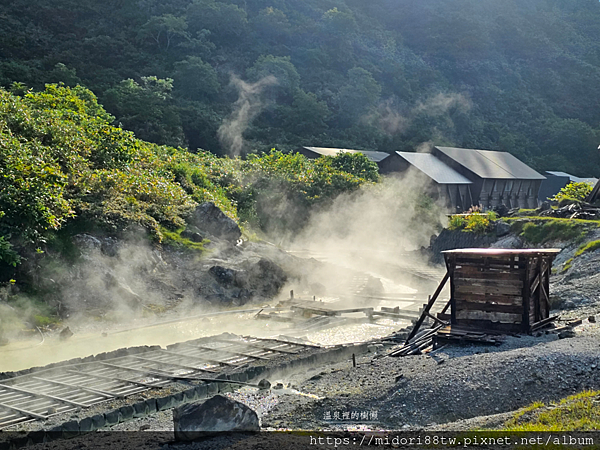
[
  {"x": 65, "y": 334},
  {"x": 210, "y": 219},
  {"x": 502, "y": 228},
  {"x": 216, "y": 415}
]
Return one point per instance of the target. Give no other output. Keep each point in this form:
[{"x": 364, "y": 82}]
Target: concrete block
[
  {"x": 98, "y": 421},
  {"x": 140, "y": 410},
  {"x": 251, "y": 373},
  {"x": 151, "y": 403},
  {"x": 18, "y": 442},
  {"x": 178, "y": 398},
  {"x": 86, "y": 425},
  {"x": 112, "y": 418},
  {"x": 189, "y": 395},
  {"x": 163, "y": 403},
  {"x": 126, "y": 412},
  {"x": 36, "y": 437},
  {"x": 201, "y": 391},
  {"x": 54, "y": 433},
  {"x": 212, "y": 389},
  {"x": 70, "y": 429},
  {"x": 225, "y": 387}
]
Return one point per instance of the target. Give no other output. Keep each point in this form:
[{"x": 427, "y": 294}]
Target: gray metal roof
[
  {"x": 434, "y": 168},
  {"x": 573, "y": 177},
  {"x": 491, "y": 164},
  {"x": 373, "y": 156}
]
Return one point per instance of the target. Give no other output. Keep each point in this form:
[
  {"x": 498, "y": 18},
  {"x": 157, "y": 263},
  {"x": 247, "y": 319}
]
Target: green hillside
[
  {"x": 66, "y": 170},
  {"x": 521, "y": 76}
]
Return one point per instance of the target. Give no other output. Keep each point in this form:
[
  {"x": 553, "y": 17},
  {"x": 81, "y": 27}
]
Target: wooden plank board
[
  {"x": 330, "y": 312},
  {"x": 474, "y": 272},
  {"x": 491, "y": 316},
  {"x": 498, "y": 299},
  {"x": 460, "y": 281},
  {"x": 494, "y": 290},
  {"x": 488, "y": 307},
  {"x": 488, "y": 325}
]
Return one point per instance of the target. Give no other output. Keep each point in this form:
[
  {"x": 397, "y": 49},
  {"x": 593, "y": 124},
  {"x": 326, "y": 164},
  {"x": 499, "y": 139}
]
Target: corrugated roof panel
[
  {"x": 512, "y": 164},
  {"x": 373, "y": 156},
  {"x": 434, "y": 168},
  {"x": 573, "y": 177},
  {"x": 491, "y": 164}
]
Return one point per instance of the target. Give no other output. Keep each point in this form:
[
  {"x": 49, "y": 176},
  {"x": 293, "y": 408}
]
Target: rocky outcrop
[
  {"x": 217, "y": 415},
  {"x": 452, "y": 239},
  {"x": 262, "y": 279},
  {"x": 210, "y": 219}
]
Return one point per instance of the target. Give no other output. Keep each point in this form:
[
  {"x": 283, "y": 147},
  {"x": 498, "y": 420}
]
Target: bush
[
  {"x": 457, "y": 223},
  {"x": 478, "y": 223},
  {"x": 573, "y": 192}
]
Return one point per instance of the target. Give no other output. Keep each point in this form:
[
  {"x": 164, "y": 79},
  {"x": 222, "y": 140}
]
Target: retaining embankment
[{"x": 180, "y": 393}]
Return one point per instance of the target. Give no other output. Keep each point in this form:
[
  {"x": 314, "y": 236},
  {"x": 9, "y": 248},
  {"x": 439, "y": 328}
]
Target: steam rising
[
  {"x": 392, "y": 121},
  {"x": 379, "y": 229},
  {"x": 248, "y": 105}
]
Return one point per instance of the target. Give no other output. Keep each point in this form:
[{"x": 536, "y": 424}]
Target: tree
[
  {"x": 358, "y": 96},
  {"x": 163, "y": 30},
  {"x": 147, "y": 109},
  {"x": 308, "y": 115},
  {"x": 195, "y": 79},
  {"x": 282, "y": 68}
]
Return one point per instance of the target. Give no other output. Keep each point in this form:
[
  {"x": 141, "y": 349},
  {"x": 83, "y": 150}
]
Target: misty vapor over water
[
  {"x": 248, "y": 105},
  {"x": 377, "y": 228}
]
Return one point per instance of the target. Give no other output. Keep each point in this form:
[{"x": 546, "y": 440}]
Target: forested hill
[{"x": 515, "y": 75}]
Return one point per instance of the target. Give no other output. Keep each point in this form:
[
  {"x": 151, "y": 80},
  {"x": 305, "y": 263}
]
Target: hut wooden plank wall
[{"x": 499, "y": 289}]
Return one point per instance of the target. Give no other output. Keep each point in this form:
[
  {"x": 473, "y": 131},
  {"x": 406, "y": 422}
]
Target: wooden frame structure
[
  {"x": 503, "y": 290},
  {"x": 495, "y": 290}
]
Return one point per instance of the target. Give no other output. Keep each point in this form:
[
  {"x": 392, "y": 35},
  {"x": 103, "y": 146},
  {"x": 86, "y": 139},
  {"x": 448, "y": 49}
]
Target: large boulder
[
  {"x": 216, "y": 415},
  {"x": 210, "y": 219},
  {"x": 263, "y": 278}
]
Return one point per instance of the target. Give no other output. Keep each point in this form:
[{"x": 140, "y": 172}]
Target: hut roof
[
  {"x": 491, "y": 164},
  {"x": 504, "y": 251},
  {"x": 373, "y": 156},
  {"x": 572, "y": 178},
  {"x": 434, "y": 168}
]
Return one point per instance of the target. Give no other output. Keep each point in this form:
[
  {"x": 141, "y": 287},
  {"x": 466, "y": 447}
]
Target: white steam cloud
[
  {"x": 248, "y": 105},
  {"x": 392, "y": 121},
  {"x": 379, "y": 229}
]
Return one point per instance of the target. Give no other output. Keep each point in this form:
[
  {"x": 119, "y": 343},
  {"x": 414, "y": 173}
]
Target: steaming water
[{"x": 20, "y": 355}]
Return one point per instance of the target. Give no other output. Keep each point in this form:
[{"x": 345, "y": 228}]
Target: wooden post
[
  {"x": 428, "y": 307},
  {"x": 526, "y": 294}
]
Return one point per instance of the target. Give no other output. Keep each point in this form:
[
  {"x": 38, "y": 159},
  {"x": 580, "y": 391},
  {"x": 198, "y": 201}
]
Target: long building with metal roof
[
  {"x": 448, "y": 184},
  {"x": 467, "y": 177},
  {"x": 316, "y": 152},
  {"x": 499, "y": 178}
]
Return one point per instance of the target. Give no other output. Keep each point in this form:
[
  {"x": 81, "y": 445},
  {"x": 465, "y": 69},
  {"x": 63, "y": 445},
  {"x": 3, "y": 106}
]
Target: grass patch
[
  {"x": 175, "y": 240},
  {"x": 553, "y": 230},
  {"x": 589, "y": 247},
  {"x": 568, "y": 264},
  {"x": 578, "y": 412}
]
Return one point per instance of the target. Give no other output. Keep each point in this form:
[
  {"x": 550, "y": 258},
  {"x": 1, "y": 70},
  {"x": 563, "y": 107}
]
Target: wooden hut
[{"x": 499, "y": 289}]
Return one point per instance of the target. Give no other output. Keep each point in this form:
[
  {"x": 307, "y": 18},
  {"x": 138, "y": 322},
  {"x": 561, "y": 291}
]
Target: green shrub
[
  {"x": 573, "y": 192},
  {"x": 456, "y": 222},
  {"x": 478, "y": 223},
  {"x": 7, "y": 254}
]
